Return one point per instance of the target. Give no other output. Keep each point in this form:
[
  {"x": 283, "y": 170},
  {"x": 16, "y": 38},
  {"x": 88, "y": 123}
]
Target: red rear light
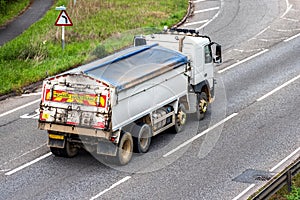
[
  {"x": 99, "y": 125},
  {"x": 41, "y": 117},
  {"x": 101, "y": 102},
  {"x": 112, "y": 139}
]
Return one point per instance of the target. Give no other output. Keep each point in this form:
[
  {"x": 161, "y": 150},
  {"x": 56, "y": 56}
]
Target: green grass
[
  {"x": 283, "y": 193},
  {"x": 100, "y": 27},
  {"x": 9, "y": 10}
]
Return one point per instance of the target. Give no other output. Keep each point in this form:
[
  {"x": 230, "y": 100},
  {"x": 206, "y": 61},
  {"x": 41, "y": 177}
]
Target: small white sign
[{"x": 63, "y": 19}]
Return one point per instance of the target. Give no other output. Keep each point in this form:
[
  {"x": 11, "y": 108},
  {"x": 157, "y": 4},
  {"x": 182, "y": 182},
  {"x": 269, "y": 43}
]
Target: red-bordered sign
[{"x": 63, "y": 19}]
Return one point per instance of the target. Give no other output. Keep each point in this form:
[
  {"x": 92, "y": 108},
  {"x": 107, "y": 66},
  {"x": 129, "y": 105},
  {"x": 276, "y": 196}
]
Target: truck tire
[
  {"x": 125, "y": 148},
  {"x": 202, "y": 103},
  {"x": 180, "y": 119},
  {"x": 68, "y": 151},
  {"x": 141, "y": 137}
]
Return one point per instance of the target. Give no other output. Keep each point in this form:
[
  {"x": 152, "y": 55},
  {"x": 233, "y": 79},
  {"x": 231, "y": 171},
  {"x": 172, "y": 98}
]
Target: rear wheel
[
  {"x": 141, "y": 137},
  {"x": 68, "y": 151},
  {"x": 125, "y": 148},
  {"x": 180, "y": 119},
  {"x": 202, "y": 104}
]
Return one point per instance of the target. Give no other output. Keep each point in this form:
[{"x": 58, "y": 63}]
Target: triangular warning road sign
[{"x": 63, "y": 19}]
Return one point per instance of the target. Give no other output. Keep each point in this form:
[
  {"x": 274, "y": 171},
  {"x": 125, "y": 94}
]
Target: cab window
[{"x": 207, "y": 54}]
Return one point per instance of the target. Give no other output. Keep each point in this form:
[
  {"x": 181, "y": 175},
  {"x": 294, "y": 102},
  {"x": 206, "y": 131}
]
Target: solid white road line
[
  {"x": 197, "y": 1},
  {"x": 206, "y": 10},
  {"x": 244, "y": 192},
  {"x": 32, "y": 150},
  {"x": 278, "y": 88},
  {"x": 19, "y": 108},
  {"x": 194, "y": 23},
  {"x": 291, "y": 38},
  {"x": 31, "y": 94},
  {"x": 28, "y": 164},
  {"x": 284, "y": 160},
  {"x": 199, "y": 135},
  {"x": 111, "y": 187},
  {"x": 245, "y": 60}
]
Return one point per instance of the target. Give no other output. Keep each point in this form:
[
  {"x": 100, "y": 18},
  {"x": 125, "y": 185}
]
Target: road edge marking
[
  {"x": 244, "y": 192},
  {"x": 284, "y": 160},
  {"x": 245, "y": 60},
  {"x": 19, "y": 108},
  {"x": 199, "y": 135},
  {"x": 291, "y": 38},
  {"x": 111, "y": 187},
  {"x": 30, "y": 151},
  {"x": 278, "y": 88},
  {"x": 31, "y": 94},
  {"x": 28, "y": 164}
]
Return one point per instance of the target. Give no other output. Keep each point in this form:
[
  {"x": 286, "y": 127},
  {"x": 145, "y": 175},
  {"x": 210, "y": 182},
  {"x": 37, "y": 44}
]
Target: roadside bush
[
  {"x": 100, "y": 52},
  {"x": 295, "y": 194},
  {"x": 3, "y": 5}
]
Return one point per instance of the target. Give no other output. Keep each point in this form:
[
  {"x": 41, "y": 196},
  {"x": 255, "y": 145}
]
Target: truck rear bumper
[{"x": 74, "y": 130}]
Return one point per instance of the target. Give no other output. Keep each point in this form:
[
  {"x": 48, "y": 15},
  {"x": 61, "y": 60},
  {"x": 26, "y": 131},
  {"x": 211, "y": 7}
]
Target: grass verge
[
  {"x": 100, "y": 27},
  {"x": 10, "y": 10}
]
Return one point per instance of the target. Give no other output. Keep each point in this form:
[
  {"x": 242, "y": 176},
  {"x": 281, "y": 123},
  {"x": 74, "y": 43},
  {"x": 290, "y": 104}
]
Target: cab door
[{"x": 208, "y": 67}]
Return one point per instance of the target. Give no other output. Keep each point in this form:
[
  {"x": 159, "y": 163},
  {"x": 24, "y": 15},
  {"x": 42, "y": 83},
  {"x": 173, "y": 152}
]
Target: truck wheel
[
  {"x": 180, "y": 119},
  {"x": 68, "y": 151},
  {"x": 125, "y": 148},
  {"x": 141, "y": 137},
  {"x": 201, "y": 105}
]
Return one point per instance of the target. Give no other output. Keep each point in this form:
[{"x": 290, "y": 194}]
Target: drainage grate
[
  {"x": 253, "y": 176},
  {"x": 262, "y": 178}
]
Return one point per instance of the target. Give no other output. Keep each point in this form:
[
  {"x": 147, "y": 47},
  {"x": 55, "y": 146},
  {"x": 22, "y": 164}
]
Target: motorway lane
[
  {"x": 259, "y": 137},
  {"x": 83, "y": 177},
  {"x": 253, "y": 79},
  {"x": 17, "y": 135}
]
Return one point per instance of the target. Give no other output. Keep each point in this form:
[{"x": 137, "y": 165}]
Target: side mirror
[{"x": 218, "y": 56}]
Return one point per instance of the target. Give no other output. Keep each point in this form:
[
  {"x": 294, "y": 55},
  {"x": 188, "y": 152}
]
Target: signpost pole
[{"x": 63, "y": 37}]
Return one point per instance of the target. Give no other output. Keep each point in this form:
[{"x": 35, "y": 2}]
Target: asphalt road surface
[
  {"x": 252, "y": 126},
  {"x": 34, "y": 12}
]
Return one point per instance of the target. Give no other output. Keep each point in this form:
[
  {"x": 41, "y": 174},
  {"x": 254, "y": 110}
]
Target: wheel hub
[
  {"x": 203, "y": 106},
  {"x": 181, "y": 118}
]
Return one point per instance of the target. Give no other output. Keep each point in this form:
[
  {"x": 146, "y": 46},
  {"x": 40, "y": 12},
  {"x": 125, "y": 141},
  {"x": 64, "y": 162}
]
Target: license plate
[{"x": 56, "y": 137}]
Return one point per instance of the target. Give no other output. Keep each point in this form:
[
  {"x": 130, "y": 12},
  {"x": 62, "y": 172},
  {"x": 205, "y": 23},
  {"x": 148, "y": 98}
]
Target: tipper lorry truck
[{"x": 113, "y": 106}]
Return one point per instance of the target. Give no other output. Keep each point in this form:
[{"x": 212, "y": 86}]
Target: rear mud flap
[
  {"x": 56, "y": 143},
  {"x": 106, "y": 147}
]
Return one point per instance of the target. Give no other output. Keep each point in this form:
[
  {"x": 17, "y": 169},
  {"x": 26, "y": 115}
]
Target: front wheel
[
  {"x": 68, "y": 151},
  {"x": 202, "y": 104}
]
